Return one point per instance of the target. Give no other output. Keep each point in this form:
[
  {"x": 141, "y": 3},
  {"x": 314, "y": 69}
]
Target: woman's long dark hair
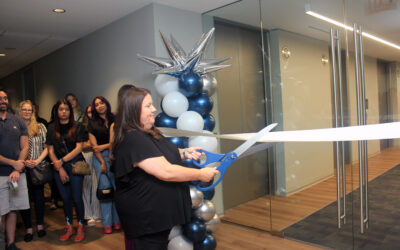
[
  {"x": 85, "y": 120},
  {"x": 71, "y": 120},
  {"x": 128, "y": 114},
  {"x": 96, "y": 117}
]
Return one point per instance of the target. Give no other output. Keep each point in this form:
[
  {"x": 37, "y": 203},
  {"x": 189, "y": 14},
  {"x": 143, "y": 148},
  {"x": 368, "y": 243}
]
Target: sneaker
[
  {"x": 117, "y": 226},
  {"x": 107, "y": 229},
  {"x": 12, "y": 246},
  {"x": 80, "y": 234},
  {"x": 91, "y": 223},
  {"x": 69, "y": 231}
]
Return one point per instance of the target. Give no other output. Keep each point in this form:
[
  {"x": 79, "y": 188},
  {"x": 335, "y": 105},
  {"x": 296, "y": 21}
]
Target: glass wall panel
[{"x": 242, "y": 109}]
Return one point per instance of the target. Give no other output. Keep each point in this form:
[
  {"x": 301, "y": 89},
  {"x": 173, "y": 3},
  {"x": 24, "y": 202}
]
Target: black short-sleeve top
[
  {"x": 11, "y": 130},
  {"x": 101, "y": 132},
  {"x": 145, "y": 203},
  {"x": 66, "y": 144}
]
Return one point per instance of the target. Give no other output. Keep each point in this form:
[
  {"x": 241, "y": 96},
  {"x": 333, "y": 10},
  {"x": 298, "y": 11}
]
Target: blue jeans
[
  {"x": 71, "y": 191},
  {"x": 109, "y": 213}
]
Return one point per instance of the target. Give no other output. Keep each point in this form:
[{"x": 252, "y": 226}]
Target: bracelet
[{"x": 62, "y": 160}]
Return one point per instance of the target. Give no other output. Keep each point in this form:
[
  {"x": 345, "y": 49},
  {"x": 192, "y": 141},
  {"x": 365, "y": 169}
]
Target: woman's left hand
[
  {"x": 192, "y": 153},
  {"x": 31, "y": 163}
]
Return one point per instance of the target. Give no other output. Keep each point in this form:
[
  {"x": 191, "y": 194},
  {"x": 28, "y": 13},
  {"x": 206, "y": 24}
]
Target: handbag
[
  {"x": 80, "y": 168},
  {"x": 105, "y": 194},
  {"x": 42, "y": 173}
]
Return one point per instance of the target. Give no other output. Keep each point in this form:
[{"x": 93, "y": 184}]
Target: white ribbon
[{"x": 352, "y": 133}]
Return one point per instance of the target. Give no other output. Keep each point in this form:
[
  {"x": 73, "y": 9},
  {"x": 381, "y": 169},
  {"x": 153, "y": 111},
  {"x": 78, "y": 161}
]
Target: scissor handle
[
  {"x": 227, "y": 160},
  {"x": 211, "y": 158}
]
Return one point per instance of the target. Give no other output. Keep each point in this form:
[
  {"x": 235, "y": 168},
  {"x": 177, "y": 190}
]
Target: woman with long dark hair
[
  {"x": 64, "y": 140},
  {"x": 152, "y": 192},
  {"x": 99, "y": 136}
]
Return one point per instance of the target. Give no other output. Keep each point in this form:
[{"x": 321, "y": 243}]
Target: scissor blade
[
  {"x": 256, "y": 148},
  {"x": 250, "y": 142}
]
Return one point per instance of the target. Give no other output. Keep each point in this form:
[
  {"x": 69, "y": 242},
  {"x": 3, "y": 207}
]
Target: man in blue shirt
[{"x": 14, "y": 148}]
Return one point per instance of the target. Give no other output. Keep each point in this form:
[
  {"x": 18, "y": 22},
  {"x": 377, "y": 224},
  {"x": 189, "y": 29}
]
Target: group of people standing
[
  {"x": 147, "y": 172},
  {"x": 70, "y": 136}
]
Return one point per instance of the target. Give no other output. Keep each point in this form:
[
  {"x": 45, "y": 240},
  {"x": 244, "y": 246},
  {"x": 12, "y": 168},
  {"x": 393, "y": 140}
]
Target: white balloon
[
  {"x": 175, "y": 103},
  {"x": 207, "y": 143},
  {"x": 175, "y": 231},
  {"x": 180, "y": 243},
  {"x": 165, "y": 84},
  {"x": 190, "y": 120}
]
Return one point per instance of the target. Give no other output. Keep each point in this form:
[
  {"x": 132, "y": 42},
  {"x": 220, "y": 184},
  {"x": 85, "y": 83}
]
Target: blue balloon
[
  {"x": 163, "y": 120},
  {"x": 195, "y": 231},
  {"x": 202, "y": 184},
  {"x": 209, "y": 243},
  {"x": 209, "y": 123},
  {"x": 189, "y": 163},
  {"x": 209, "y": 194},
  {"x": 190, "y": 84},
  {"x": 202, "y": 104},
  {"x": 180, "y": 142}
]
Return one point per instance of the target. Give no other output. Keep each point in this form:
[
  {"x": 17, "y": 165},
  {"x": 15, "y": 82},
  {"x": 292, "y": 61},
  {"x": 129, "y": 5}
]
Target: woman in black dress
[{"x": 152, "y": 195}]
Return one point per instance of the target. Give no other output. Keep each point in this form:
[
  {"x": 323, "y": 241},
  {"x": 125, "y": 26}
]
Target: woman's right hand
[
  {"x": 104, "y": 168},
  {"x": 63, "y": 175},
  {"x": 57, "y": 164},
  {"x": 206, "y": 174}
]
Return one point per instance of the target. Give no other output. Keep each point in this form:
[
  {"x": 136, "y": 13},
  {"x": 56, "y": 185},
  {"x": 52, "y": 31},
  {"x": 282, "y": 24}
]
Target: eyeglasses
[{"x": 26, "y": 110}]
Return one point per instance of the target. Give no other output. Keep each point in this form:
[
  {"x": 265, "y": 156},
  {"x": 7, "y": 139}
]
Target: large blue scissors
[{"x": 225, "y": 160}]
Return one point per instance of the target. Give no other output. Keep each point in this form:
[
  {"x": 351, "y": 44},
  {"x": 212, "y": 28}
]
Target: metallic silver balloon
[
  {"x": 213, "y": 224},
  {"x": 209, "y": 84},
  {"x": 197, "y": 197},
  {"x": 179, "y": 62},
  {"x": 206, "y": 210}
]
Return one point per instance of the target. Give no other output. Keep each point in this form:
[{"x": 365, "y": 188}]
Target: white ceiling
[
  {"x": 374, "y": 16},
  {"x": 30, "y": 30}
]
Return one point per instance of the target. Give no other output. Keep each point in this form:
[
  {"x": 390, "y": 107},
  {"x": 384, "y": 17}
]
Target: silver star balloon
[{"x": 180, "y": 63}]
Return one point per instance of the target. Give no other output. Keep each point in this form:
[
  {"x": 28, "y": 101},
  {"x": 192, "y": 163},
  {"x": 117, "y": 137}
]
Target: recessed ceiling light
[
  {"x": 2, "y": 54},
  {"x": 58, "y": 10}
]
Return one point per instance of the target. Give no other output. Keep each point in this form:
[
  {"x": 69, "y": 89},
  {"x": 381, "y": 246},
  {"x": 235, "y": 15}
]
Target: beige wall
[
  {"x": 371, "y": 93},
  {"x": 306, "y": 104}
]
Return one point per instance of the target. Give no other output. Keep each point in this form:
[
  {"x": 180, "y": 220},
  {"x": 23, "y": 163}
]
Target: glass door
[
  {"x": 312, "y": 180},
  {"x": 372, "y": 66}
]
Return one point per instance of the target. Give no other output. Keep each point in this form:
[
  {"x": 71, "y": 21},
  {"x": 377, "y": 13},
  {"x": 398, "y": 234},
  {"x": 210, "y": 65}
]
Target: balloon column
[{"x": 186, "y": 89}]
